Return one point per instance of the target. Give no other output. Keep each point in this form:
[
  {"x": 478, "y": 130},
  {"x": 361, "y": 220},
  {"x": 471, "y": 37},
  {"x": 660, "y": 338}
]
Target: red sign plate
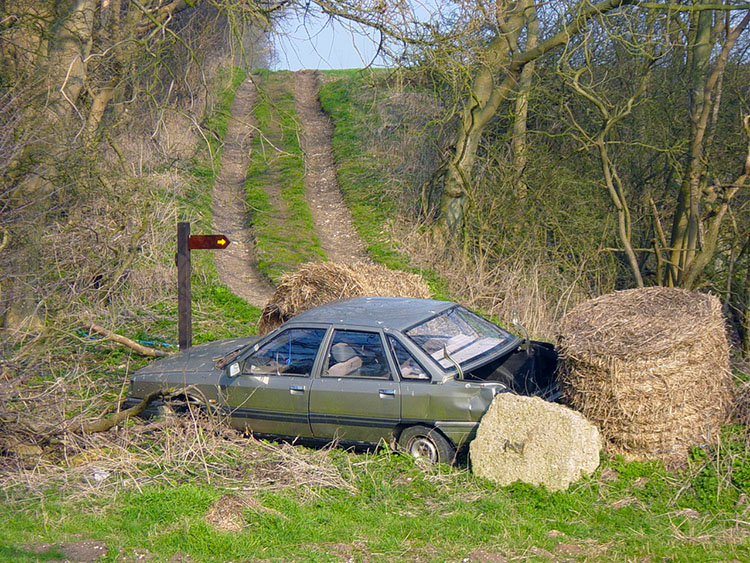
[{"x": 207, "y": 242}]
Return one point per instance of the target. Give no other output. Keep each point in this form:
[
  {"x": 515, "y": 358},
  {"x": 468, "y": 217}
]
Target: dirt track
[
  {"x": 237, "y": 266},
  {"x": 333, "y": 221}
]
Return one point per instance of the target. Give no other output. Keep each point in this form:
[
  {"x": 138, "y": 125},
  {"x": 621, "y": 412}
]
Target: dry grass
[
  {"x": 226, "y": 513},
  {"x": 503, "y": 288},
  {"x": 650, "y": 367},
  {"x": 168, "y": 451},
  {"x": 314, "y": 284},
  {"x": 742, "y": 405}
]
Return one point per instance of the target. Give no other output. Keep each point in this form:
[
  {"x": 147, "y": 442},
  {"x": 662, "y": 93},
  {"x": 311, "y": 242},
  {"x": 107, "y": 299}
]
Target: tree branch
[
  {"x": 104, "y": 424},
  {"x": 108, "y": 334}
]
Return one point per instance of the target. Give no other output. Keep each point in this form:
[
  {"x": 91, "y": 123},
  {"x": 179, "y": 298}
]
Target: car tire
[{"x": 428, "y": 444}]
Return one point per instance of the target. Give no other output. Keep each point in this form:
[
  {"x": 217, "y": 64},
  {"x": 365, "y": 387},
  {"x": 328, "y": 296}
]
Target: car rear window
[
  {"x": 357, "y": 354},
  {"x": 408, "y": 366}
]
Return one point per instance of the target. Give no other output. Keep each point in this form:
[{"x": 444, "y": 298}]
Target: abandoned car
[{"x": 418, "y": 373}]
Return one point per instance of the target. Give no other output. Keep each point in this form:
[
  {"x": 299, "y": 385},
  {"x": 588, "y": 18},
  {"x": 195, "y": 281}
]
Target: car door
[
  {"x": 270, "y": 394},
  {"x": 356, "y": 397}
]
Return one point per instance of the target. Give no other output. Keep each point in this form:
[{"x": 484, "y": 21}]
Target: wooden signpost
[{"x": 185, "y": 243}]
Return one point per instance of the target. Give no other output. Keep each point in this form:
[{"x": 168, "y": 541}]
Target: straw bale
[
  {"x": 531, "y": 440},
  {"x": 316, "y": 283},
  {"x": 650, "y": 367}
]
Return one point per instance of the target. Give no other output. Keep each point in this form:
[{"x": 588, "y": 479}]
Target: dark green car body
[{"x": 270, "y": 388}]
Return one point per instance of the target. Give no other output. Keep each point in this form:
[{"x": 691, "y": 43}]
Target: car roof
[{"x": 395, "y": 313}]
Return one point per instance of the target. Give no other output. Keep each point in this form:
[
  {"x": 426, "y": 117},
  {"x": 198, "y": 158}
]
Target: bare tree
[
  {"x": 697, "y": 206},
  {"x": 73, "y": 65},
  {"x": 492, "y": 77},
  {"x": 701, "y": 207}
]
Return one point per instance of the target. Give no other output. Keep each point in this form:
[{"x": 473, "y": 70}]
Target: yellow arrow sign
[{"x": 207, "y": 242}]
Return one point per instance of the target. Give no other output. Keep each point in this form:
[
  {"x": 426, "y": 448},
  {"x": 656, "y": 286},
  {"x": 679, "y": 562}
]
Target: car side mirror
[{"x": 234, "y": 369}]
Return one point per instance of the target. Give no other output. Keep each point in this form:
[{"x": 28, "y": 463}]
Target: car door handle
[
  {"x": 296, "y": 389},
  {"x": 387, "y": 392}
]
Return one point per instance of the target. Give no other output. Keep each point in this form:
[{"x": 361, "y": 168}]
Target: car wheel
[{"x": 427, "y": 444}]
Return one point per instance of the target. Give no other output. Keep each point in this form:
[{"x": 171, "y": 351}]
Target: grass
[
  {"x": 361, "y": 176},
  {"x": 398, "y": 511},
  {"x": 284, "y": 230}
]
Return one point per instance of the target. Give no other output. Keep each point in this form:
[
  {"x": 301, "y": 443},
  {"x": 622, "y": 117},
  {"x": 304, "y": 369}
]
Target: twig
[
  {"x": 5, "y": 239},
  {"x": 145, "y": 350}
]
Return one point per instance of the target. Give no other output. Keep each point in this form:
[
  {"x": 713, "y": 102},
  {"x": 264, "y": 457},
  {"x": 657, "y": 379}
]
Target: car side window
[
  {"x": 292, "y": 352},
  {"x": 408, "y": 367},
  {"x": 357, "y": 354}
]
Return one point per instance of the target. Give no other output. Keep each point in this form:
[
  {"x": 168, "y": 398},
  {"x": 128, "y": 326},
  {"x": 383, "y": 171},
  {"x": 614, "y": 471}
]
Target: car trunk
[{"x": 525, "y": 371}]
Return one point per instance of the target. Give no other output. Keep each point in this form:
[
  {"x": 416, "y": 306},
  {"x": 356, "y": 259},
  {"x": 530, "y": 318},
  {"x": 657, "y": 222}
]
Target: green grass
[
  {"x": 217, "y": 313},
  {"x": 398, "y": 512},
  {"x": 285, "y": 232},
  {"x": 360, "y": 175},
  {"x": 217, "y": 122}
]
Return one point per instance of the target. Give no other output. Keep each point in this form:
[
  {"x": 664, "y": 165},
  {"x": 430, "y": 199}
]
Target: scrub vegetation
[{"x": 112, "y": 116}]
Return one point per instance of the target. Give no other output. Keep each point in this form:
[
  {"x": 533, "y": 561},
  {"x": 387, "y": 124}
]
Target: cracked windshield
[{"x": 459, "y": 332}]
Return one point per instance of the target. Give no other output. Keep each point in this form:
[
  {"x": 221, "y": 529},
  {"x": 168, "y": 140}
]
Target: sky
[{"x": 315, "y": 42}]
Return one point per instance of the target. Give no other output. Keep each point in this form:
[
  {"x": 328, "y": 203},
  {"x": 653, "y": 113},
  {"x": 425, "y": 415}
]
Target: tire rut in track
[
  {"x": 332, "y": 218},
  {"x": 237, "y": 264}
]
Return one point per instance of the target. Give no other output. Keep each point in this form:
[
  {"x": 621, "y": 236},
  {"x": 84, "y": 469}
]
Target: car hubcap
[{"x": 423, "y": 448}]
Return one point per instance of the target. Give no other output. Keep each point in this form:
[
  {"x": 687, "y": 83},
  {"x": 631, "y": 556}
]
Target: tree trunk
[
  {"x": 65, "y": 71},
  {"x": 519, "y": 143},
  {"x": 615, "y": 188},
  {"x": 456, "y": 177},
  {"x": 496, "y": 77},
  {"x": 689, "y": 255},
  {"x": 485, "y": 96}
]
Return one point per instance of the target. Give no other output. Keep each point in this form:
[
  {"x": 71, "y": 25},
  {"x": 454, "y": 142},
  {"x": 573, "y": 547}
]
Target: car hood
[{"x": 197, "y": 359}]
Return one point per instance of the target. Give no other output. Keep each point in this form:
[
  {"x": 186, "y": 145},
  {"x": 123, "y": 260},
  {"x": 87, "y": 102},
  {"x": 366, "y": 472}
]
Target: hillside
[{"x": 190, "y": 489}]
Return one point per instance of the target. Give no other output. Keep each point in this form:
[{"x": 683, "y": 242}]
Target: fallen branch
[
  {"x": 104, "y": 424},
  {"x": 27, "y": 436},
  {"x": 49, "y": 435},
  {"x": 108, "y": 334}
]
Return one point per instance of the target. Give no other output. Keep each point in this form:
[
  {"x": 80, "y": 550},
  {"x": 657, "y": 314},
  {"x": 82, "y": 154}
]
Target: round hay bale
[
  {"x": 650, "y": 367},
  {"x": 316, "y": 283}
]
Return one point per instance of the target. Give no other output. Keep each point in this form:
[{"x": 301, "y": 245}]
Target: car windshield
[{"x": 464, "y": 335}]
